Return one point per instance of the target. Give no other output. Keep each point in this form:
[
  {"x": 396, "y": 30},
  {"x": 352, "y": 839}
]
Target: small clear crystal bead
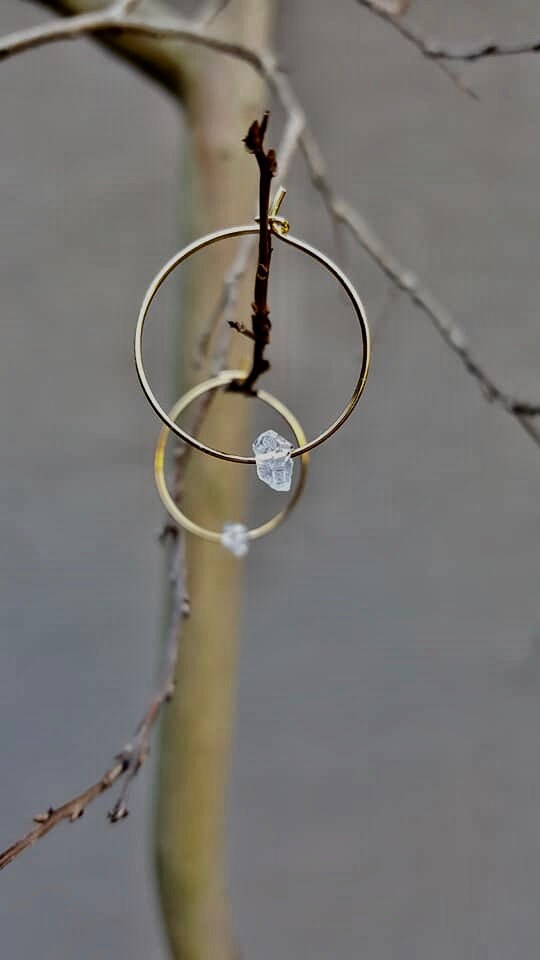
[
  {"x": 233, "y": 538},
  {"x": 273, "y": 459}
]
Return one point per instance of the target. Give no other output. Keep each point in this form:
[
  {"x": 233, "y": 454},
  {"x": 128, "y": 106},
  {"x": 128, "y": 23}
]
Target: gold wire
[
  {"x": 278, "y": 227},
  {"x": 222, "y": 380}
]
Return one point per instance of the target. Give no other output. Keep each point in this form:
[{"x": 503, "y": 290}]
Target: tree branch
[
  {"x": 392, "y": 16},
  {"x": 439, "y": 52},
  {"x": 132, "y": 756},
  {"x": 226, "y": 307},
  {"x": 162, "y": 60},
  {"x": 455, "y": 338},
  {"x": 480, "y": 50},
  {"x": 260, "y": 318},
  {"x": 211, "y": 9},
  {"x": 111, "y": 22},
  {"x": 152, "y": 42}
]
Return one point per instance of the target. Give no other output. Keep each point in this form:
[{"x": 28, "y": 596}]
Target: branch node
[
  {"x": 43, "y": 817},
  {"x": 118, "y": 812}
]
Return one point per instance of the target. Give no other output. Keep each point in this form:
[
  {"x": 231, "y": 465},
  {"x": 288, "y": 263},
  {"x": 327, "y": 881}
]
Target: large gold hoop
[{"x": 321, "y": 258}]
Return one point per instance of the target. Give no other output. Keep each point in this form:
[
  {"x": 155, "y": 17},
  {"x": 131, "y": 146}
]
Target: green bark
[{"x": 221, "y": 97}]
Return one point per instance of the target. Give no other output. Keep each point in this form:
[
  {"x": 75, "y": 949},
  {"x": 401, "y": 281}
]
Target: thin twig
[
  {"x": 211, "y": 9},
  {"x": 417, "y": 40},
  {"x": 439, "y": 52},
  {"x": 481, "y": 50},
  {"x": 225, "y": 309},
  {"x": 110, "y": 22},
  {"x": 132, "y": 756},
  {"x": 260, "y": 317},
  {"x": 453, "y": 335},
  {"x": 242, "y": 329},
  {"x": 70, "y": 811}
]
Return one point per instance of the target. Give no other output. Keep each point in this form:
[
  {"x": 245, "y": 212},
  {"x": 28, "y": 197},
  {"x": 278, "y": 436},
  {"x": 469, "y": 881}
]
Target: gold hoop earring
[
  {"x": 234, "y": 536},
  {"x": 279, "y": 229}
]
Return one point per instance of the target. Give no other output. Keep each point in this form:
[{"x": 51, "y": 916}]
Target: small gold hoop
[
  {"x": 222, "y": 380},
  {"x": 321, "y": 258}
]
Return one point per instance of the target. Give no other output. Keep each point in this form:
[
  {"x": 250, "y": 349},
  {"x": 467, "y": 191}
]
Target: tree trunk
[{"x": 221, "y": 97}]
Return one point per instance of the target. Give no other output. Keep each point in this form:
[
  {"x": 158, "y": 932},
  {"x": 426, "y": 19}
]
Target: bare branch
[
  {"x": 439, "y": 52},
  {"x": 225, "y": 309},
  {"x": 211, "y": 10},
  {"x": 260, "y": 317},
  {"x": 481, "y": 50},
  {"x": 132, "y": 756},
  {"x": 241, "y": 329},
  {"x": 163, "y": 61},
  {"x": 70, "y": 811},
  {"x": 384, "y": 12},
  {"x": 452, "y": 334},
  {"x": 130, "y": 759},
  {"x": 111, "y": 23}
]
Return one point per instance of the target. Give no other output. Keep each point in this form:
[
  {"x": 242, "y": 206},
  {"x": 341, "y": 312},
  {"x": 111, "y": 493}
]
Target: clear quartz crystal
[
  {"x": 273, "y": 458},
  {"x": 233, "y": 538}
]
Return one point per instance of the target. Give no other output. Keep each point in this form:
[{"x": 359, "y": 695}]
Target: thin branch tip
[{"x": 260, "y": 317}]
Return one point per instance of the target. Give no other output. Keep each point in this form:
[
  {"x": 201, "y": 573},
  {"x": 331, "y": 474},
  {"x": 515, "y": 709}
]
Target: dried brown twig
[
  {"x": 479, "y": 50},
  {"x": 260, "y": 318},
  {"x": 132, "y": 756},
  {"x": 523, "y": 411},
  {"x": 70, "y": 811},
  {"x": 226, "y": 307},
  {"x": 210, "y": 10},
  {"x": 391, "y": 14},
  {"x": 439, "y": 52}
]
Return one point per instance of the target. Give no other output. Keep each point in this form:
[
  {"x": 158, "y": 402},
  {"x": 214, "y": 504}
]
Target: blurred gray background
[{"x": 386, "y": 781}]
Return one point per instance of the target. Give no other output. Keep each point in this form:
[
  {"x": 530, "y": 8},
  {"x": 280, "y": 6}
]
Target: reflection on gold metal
[{"x": 215, "y": 383}]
